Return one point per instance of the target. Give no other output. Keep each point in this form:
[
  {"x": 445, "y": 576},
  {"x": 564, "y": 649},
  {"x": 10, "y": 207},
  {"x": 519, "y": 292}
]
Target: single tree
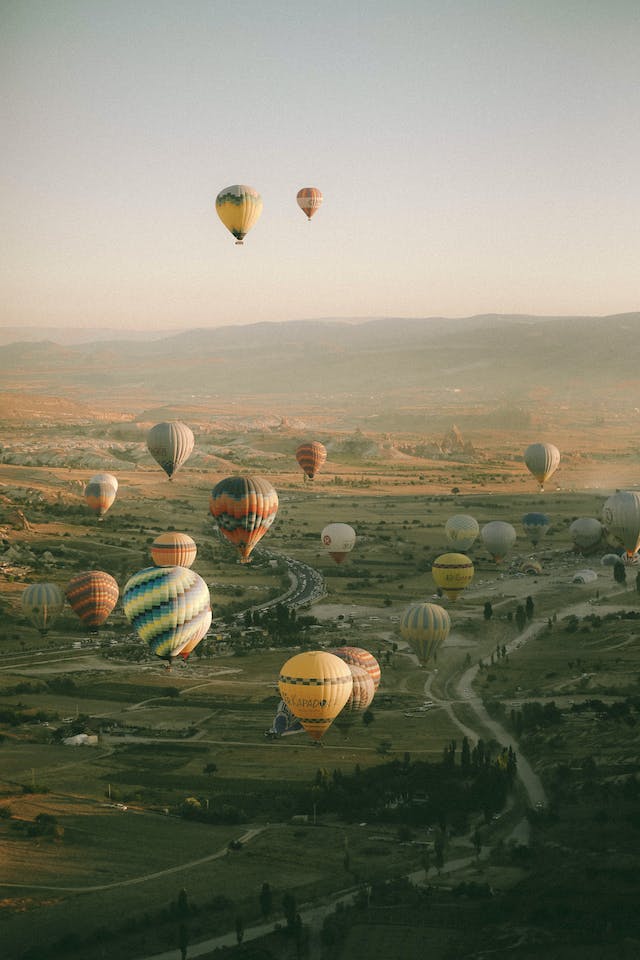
[
  {"x": 488, "y": 610},
  {"x": 239, "y": 929},
  {"x": 528, "y": 608},
  {"x": 619, "y": 572},
  {"x": 521, "y": 617},
  {"x": 266, "y": 900}
]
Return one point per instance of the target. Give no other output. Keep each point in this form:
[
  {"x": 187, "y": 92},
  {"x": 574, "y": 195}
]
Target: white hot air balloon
[
  {"x": 338, "y": 539},
  {"x": 621, "y": 517},
  {"x": 542, "y": 460},
  {"x": 498, "y": 537},
  {"x": 586, "y": 533}
]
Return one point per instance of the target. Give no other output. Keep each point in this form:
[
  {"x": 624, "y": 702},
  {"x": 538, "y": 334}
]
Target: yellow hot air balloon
[
  {"x": 309, "y": 200},
  {"x": 315, "y": 687},
  {"x": 426, "y": 626},
  {"x": 542, "y": 460},
  {"x": 239, "y": 207},
  {"x": 452, "y": 572}
]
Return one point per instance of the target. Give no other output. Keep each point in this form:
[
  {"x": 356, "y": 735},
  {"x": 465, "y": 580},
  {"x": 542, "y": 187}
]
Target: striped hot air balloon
[
  {"x": 105, "y": 478},
  {"x": 309, "y": 200},
  {"x": 338, "y": 539},
  {"x": 239, "y": 208},
  {"x": 173, "y": 550},
  {"x": 170, "y": 443},
  {"x": 360, "y": 698},
  {"x": 244, "y": 508},
  {"x": 426, "y": 626},
  {"x": 169, "y": 607},
  {"x": 461, "y": 530},
  {"x": 92, "y": 595},
  {"x": 315, "y": 686},
  {"x": 358, "y": 657},
  {"x": 42, "y": 603},
  {"x": 542, "y": 460},
  {"x": 99, "y": 495},
  {"x": 452, "y": 572},
  {"x": 311, "y": 455}
]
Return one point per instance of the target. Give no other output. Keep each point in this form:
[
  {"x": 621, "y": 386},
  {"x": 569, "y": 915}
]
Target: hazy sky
[{"x": 475, "y": 156}]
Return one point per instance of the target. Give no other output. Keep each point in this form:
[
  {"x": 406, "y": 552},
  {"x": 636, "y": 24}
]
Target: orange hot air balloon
[
  {"x": 92, "y": 595},
  {"x": 360, "y": 699},
  {"x": 356, "y": 656},
  {"x": 245, "y": 508},
  {"x": 315, "y": 686},
  {"x": 452, "y": 572},
  {"x": 173, "y": 550},
  {"x": 99, "y": 495},
  {"x": 311, "y": 456},
  {"x": 309, "y": 200}
]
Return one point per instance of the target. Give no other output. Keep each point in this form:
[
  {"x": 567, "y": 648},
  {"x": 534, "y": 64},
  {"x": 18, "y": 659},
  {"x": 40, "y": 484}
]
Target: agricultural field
[{"x": 121, "y": 834}]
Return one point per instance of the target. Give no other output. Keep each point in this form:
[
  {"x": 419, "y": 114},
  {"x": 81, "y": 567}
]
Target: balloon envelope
[
  {"x": 315, "y": 686},
  {"x": 452, "y": 572},
  {"x": 244, "y": 508},
  {"x": 169, "y": 607},
  {"x": 358, "y": 657},
  {"x": 239, "y": 208},
  {"x": 535, "y": 525},
  {"x": 311, "y": 456},
  {"x": 99, "y": 495},
  {"x": 338, "y": 539},
  {"x": 542, "y": 460},
  {"x": 621, "y": 517},
  {"x": 173, "y": 550},
  {"x": 586, "y": 532},
  {"x": 360, "y": 698},
  {"x": 426, "y": 626},
  {"x": 170, "y": 443},
  {"x": 42, "y": 603},
  {"x": 462, "y": 530},
  {"x": 309, "y": 200},
  {"x": 105, "y": 478},
  {"x": 92, "y": 595},
  {"x": 498, "y": 537}
]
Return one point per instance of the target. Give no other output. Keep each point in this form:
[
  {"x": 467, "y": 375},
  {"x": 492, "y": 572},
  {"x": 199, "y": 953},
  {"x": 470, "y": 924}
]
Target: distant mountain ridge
[{"x": 488, "y": 354}]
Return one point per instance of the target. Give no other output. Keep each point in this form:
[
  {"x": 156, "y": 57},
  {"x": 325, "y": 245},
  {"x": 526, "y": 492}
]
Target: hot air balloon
[
  {"x": 542, "y": 460},
  {"x": 311, "y": 456},
  {"x": 42, "y": 603},
  {"x": 535, "y": 525},
  {"x": 621, "y": 517},
  {"x": 426, "y": 626},
  {"x": 610, "y": 559},
  {"x": 99, "y": 495},
  {"x": 284, "y": 723},
  {"x": 169, "y": 607},
  {"x": 360, "y": 698},
  {"x": 461, "y": 530},
  {"x": 315, "y": 686},
  {"x": 105, "y": 478},
  {"x": 498, "y": 537},
  {"x": 358, "y": 657},
  {"x": 338, "y": 539},
  {"x": 239, "y": 207},
  {"x": 586, "y": 533},
  {"x": 173, "y": 550},
  {"x": 245, "y": 508},
  {"x": 170, "y": 443},
  {"x": 309, "y": 200},
  {"x": 92, "y": 595},
  {"x": 452, "y": 572}
]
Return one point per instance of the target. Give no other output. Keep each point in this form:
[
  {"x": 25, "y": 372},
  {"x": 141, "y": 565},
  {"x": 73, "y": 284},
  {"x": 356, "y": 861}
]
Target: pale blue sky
[{"x": 474, "y": 155}]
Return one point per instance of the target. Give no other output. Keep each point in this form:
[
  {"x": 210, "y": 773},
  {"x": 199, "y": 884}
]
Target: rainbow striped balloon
[
  {"x": 99, "y": 495},
  {"x": 92, "y": 595},
  {"x": 245, "y": 508},
  {"x": 360, "y": 698},
  {"x": 169, "y": 607},
  {"x": 358, "y": 657}
]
